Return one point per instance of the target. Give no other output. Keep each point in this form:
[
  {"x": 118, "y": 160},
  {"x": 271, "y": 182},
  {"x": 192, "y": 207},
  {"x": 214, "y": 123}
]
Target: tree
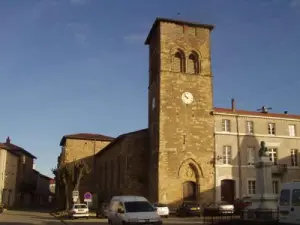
[
  {"x": 64, "y": 175},
  {"x": 70, "y": 175},
  {"x": 81, "y": 169}
]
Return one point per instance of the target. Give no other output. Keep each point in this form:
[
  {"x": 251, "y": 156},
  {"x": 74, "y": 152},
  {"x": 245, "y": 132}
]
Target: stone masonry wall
[
  {"x": 186, "y": 132},
  {"x": 122, "y": 168}
]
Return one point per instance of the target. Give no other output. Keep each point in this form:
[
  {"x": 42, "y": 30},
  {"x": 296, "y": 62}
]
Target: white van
[
  {"x": 289, "y": 203},
  {"x": 132, "y": 209}
]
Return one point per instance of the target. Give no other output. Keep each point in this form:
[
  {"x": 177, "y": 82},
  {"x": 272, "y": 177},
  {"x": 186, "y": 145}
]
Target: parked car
[
  {"x": 132, "y": 210},
  {"x": 241, "y": 204},
  {"x": 1, "y": 208},
  {"x": 101, "y": 211},
  {"x": 79, "y": 211},
  {"x": 218, "y": 208},
  {"x": 188, "y": 209},
  {"x": 162, "y": 209}
]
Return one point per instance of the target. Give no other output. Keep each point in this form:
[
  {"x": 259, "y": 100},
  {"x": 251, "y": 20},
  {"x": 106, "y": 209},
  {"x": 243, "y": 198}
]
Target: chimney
[
  {"x": 285, "y": 112},
  {"x": 7, "y": 140},
  {"x": 233, "y": 104}
]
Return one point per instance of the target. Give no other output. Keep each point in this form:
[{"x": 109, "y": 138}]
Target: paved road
[
  {"x": 169, "y": 221},
  {"x": 27, "y": 218}
]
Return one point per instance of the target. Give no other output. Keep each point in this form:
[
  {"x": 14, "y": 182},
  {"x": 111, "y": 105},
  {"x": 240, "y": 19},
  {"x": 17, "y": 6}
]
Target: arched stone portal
[
  {"x": 189, "y": 191},
  {"x": 189, "y": 175}
]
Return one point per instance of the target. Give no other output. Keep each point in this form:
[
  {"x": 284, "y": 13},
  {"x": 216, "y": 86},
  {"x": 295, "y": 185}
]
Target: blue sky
[{"x": 69, "y": 66}]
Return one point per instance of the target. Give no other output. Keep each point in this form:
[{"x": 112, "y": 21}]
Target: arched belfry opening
[
  {"x": 179, "y": 61},
  {"x": 193, "y": 63}
]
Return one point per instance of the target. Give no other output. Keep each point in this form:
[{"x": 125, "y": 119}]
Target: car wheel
[
  {"x": 110, "y": 223},
  {"x": 87, "y": 217},
  {"x": 166, "y": 216}
]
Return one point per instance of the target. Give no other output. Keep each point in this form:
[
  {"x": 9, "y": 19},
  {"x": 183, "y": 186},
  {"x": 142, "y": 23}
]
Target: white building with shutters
[{"x": 238, "y": 134}]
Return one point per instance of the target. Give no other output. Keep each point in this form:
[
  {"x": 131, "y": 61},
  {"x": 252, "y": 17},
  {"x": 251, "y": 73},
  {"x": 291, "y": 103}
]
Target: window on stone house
[
  {"x": 294, "y": 157},
  {"x": 271, "y": 129},
  {"x": 179, "y": 61},
  {"x": 275, "y": 186},
  {"x": 273, "y": 155},
  {"x": 292, "y": 130},
  {"x": 193, "y": 63},
  {"x": 251, "y": 187},
  {"x": 250, "y": 156},
  {"x": 249, "y": 127},
  {"x": 226, "y": 156},
  {"x": 226, "y": 126}
]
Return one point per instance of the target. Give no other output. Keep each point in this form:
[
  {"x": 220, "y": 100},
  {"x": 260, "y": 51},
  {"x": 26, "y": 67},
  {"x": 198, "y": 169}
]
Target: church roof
[
  {"x": 85, "y": 136},
  {"x": 119, "y": 139}
]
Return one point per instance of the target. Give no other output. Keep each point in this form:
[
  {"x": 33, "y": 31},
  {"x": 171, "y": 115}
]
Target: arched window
[
  {"x": 193, "y": 63},
  {"x": 179, "y": 61}
]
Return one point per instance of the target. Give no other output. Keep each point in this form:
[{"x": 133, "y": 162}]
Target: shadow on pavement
[
  {"x": 38, "y": 210},
  {"x": 26, "y": 223}
]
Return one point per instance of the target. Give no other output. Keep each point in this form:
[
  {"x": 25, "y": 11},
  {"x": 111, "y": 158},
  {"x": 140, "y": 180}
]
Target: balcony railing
[{"x": 279, "y": 169}]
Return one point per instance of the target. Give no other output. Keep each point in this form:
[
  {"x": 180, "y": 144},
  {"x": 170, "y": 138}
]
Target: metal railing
[
  {"x": 265, "y": 217},
  {"x": 279, "y": 169}
]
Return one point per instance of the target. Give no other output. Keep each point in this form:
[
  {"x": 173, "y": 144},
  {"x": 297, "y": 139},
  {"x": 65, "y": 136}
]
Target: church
[
  {"x": 192, "y": 150},
  {"x": 173, "y": 159}
]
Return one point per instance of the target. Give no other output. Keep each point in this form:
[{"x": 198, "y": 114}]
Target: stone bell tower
[{"x": 181, "y": 126}]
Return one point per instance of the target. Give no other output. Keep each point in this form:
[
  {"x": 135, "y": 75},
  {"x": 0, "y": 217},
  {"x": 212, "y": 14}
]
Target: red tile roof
[
  {"x": 15, "y": 149},
  {"x": 254, "y": 113},
  {"x": 85, "y": 136}
]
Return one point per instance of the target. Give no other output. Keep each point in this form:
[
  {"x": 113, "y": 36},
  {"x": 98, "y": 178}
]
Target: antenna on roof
[{"x": 264, "y": 109}]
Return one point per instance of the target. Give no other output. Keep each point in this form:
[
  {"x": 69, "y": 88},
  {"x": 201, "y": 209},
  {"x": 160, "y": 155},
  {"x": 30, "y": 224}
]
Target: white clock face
[
  {"x": 153, "y": 103},
  {"x": 187, "y": 97}
]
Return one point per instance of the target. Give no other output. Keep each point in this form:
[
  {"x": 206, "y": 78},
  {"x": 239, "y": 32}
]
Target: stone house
[
  {"x": 25, "y": 182},
  {"x": 81, "y": 146},
  {"x": 42, "y": 191},
  {"x": 8, "y": 175}
]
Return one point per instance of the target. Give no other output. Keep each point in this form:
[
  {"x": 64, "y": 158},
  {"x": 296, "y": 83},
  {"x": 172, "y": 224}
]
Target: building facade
[
  {"x": 22, "y": 192},
  {"x": 42, "y": 191},
  {"x": 238, "y": 134},
  {"x": 82, "y": 146},
  {"x": 8, "y": 176}
]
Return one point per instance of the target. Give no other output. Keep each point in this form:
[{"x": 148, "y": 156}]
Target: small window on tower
[
  {"x": 179, "y": 62},
  {"x": 193, "y": 63}
]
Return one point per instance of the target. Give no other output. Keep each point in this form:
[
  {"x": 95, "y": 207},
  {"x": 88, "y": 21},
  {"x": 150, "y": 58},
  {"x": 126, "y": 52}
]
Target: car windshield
[
  {"x": 80, "y": 206},
  {"x": 139, "y": 206},
  {"x": 191, "y": 204},
  {"x": 160, "y": 205},
  {"x": 223, "y": 203}
]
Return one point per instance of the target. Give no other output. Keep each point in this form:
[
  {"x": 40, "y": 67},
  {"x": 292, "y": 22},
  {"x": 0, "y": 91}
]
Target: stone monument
[{"x": 264, "y": 202}]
